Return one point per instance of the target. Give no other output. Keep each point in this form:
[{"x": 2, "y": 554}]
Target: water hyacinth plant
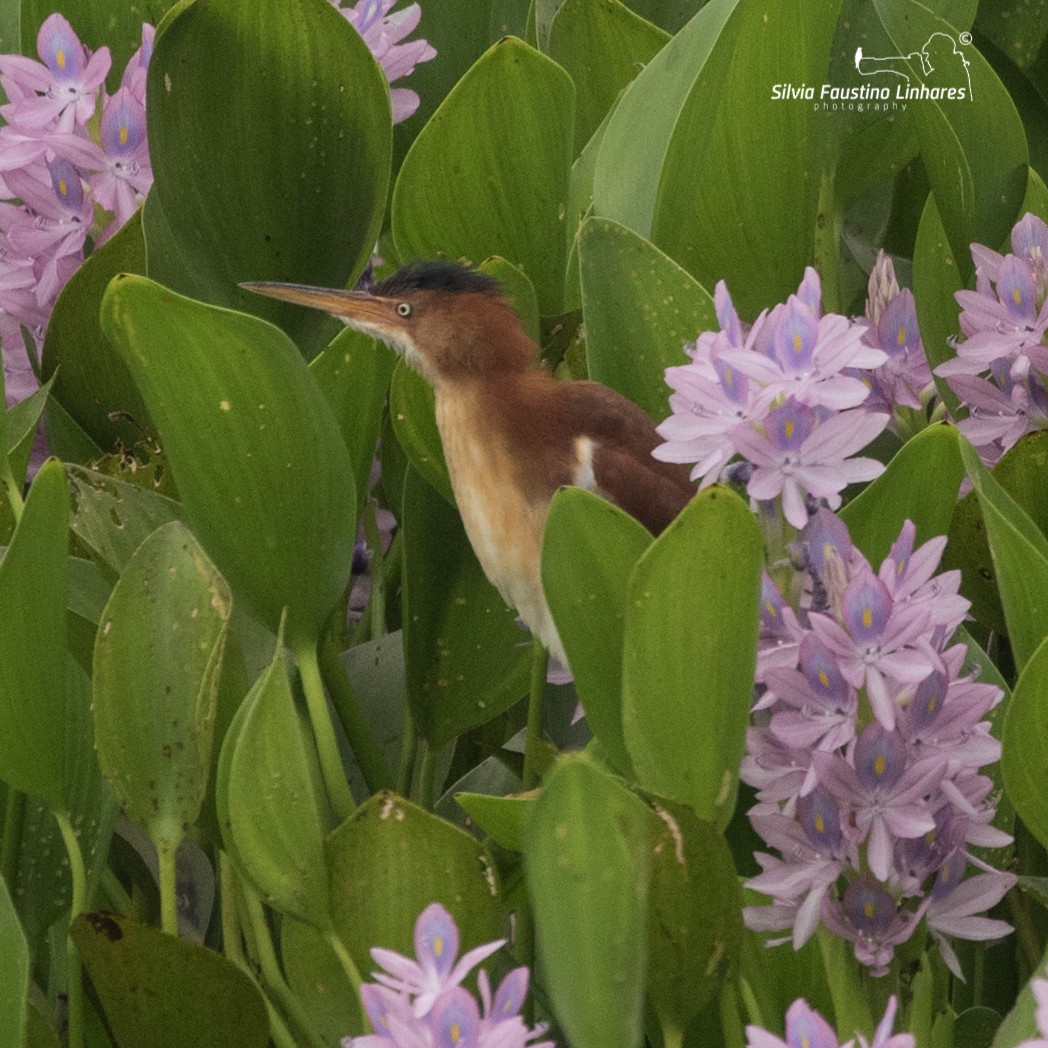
[{"x": 279, "y": 766}]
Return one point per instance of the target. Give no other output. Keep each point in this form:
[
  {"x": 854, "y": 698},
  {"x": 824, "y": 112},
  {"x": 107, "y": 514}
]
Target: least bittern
[{"x": 512, "y": 434}]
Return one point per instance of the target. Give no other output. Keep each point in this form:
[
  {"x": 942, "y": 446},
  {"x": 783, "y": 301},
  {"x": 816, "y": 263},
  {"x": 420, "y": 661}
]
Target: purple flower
[
  {"x": 382, "y": 32},
  {"x": 780, "y": 395},
  {"x": 420, "y": 1003},
  {"x": 805, "y": 1028},
  {"x": 865, "y": 751}
]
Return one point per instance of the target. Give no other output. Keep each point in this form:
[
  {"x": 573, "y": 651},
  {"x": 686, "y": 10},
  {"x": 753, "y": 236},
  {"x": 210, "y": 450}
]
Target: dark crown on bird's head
[{"x": 441, "y": 276}]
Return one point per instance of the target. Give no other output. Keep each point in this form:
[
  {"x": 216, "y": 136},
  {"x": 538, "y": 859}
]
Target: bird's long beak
[{"x": 357, "y": 308}]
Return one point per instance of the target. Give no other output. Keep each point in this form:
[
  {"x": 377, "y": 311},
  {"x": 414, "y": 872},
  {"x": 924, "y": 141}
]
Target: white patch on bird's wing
[{"x": 584, "y": 476}]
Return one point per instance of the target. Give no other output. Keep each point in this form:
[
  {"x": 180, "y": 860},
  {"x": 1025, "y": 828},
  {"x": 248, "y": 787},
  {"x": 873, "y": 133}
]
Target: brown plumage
[{"x": 512, "y": 434}]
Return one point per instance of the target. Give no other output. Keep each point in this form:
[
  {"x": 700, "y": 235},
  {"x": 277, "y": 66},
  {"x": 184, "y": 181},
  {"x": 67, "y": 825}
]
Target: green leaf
[
  {"x": 1024, "y": 761},
  {"x": 267, "y": 799},
  {"x": 717, "y": 212},
  {"x": 973, "y": 149},
  {"x": 590, "y": 548},
  {"x": 90, "y": 380},
  {"x": 603, "y": 46},
  {"x": 19, "y": 429},
  {"x": 411, "y": 409},
  {"x": 920, "y": 484},
  {"x": 588, "y": 866},
  {"x": 501, "y": 818},
  {"x": 377, "y": 895},
  {"x": 1020, "y": 559},
  {"x": 633, "y": 151},
  {"x": 14, "y": 973},
  {"x": 294, "y": 187},
  {"x": 354, "y": 373},
  {"x": 34, "y": 585},
  {"x": 318, "y": 980},
  {"x": 466, "y": 660},
  {"x": 640, "y": 308},
  {"x": 165, "y": 992},
  {"x": 256, "y": 453},
  {"x": 695, "y": 930},
  {"x": 1020, "y": 1024},
  {"x": 158, "y": 655},
  {"x": 975, "y": 1027},
  {"x": 691, "y": 645},
  {"x": 112, "y": 518},
  {"x": 520, "y": 291},
  {"x": 488, "y": 175}
]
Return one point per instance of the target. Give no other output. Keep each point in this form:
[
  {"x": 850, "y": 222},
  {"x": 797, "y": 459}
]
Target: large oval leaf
[
  {"x": 34, "y": 584},
  {"x": 157, "y": 660},
  {"x": 267, "y": 800},
  {"x": 488, "y": 175},
  {"x": 14, "y": 973},
  {"x": 376, "y": 895},
  {"x": 256, "y": 453},
  {"x": 587, "y": 860},
  {"x": 270, "y": 138},
  {"x": 640, "y": 308},
  {"x": 691, "y": 647},
  {"x": 1025, "y": 740}
]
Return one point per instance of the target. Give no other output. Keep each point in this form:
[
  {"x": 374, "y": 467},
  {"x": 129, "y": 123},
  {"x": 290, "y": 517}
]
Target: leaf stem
[
  {"x": 533, "y": 737},
  {"x": 851, "y": 1004},
  {"x": 427, "y": 777},
  {"x": 408, "y": 753},
  {"x": 166, "y": 854},
  {"x": 324, "y": 731},
  {"x": 828, "y": 241},
  {"x": 345, "y": 960},
  {"x": 74, "y": 984},
  {"x": 11, "y": 844},
  {"x": 344, "y": 698}
]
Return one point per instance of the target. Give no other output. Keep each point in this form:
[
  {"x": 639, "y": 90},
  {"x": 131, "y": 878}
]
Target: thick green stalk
[
  {"x": 345, "y": 960},
  {"x": 11, "y": 844},
  {"x": 828, "y": 243},
  {"x": 324, "y": 731},
  {"x": 74, "y": 985},
  {"x": 166, "y": 855},
  {"x": 408, "y": 753},
  {"x": 851, "y": 1004}
]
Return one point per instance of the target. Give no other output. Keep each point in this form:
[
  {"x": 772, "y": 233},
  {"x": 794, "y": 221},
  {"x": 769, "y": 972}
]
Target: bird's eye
[{"x": 404, "y": 309}]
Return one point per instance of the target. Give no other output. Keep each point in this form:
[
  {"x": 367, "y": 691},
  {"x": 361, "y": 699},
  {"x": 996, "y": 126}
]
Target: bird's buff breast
[{"x": 504, "y": 528}]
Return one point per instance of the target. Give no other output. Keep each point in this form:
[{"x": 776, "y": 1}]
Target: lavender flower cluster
[
  {"x": 806, "y": 1027},
  {"x": 419, "y": 1003},
  {"x": 52, "y": 174},
  {"x": 1000, "y": 368},
  {"x": 868, "y": 737}
]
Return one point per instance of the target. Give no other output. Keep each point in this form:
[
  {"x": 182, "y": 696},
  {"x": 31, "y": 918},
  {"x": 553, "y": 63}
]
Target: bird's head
[{"x": 449, "y": 322}]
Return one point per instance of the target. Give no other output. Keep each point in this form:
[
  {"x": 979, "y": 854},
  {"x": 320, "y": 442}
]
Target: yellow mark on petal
[
  {"x": 456, "y": 1032},
  {"x": 796, "y": 343},
  {"x": 901, "y": 337},
  {"x": 438, "y": 946},
  {"x": 60, "y": 58},
  {"x": 771, "y": 609},
  {"x": 820, "y": 824},
  {"x": 878, "y": 765},
  {"x": 805, "y": 1041},
  {"x": 1016, "y": 296},
  {"x": 788, "y": 428},
  {"x": 867, "y": 616},
  {"x": 63, "y": 187},
  {"x": 123, "y": 135},
  {"x": 824, "y": 678},
  {"x": 869, "y": 909},
  {"x": 729, "y": 377}
]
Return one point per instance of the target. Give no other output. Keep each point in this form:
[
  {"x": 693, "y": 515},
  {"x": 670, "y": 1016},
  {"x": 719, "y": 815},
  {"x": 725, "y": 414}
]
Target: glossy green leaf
[
  {"x": 501, "y": 818},
  {"x": 1020, "y": 559},
  {"x": 112, "y": 518},
  {"x": 165, "y": 992},
  {"x": 640, "y": 308},
  {"x": 590, "y": 548},
  {"x": 695, "y": 930},
  {"x": 256, "y": 453},
  {"x": 973, "y": 149},
  {"x": 19, "y": 429},
  {"x": 588, "y": 864},
  {"x": 157, "y": 661},
  {"x": 717, "y": 212},
  {"x": 354, "y": 373},
  {"x": 691, "y": 645},
  {"x": 920, "y": 484},
  {"x": 392, "y": 859},
  {"x": 1025, "y": 741},
  {"x": 632, "y": 153},
  {"x": 34, "y": 584},
  {"x": 519, "y": 289},
  {"x": 412, "y": 412},
  {"x": 294, "y": 187},
  {"x": 90, "y": 379},
  {"x": 268, "y": 801},
  {"x": 14, "y": 973},
  {"x": 603, "y": 46},
  {"x": 488, "y": 175},
  {"x": 466, "y": 659}
]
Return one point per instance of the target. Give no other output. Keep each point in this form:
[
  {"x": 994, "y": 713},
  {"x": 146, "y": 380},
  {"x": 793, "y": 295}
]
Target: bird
[{"x": 512, "y": 433}]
